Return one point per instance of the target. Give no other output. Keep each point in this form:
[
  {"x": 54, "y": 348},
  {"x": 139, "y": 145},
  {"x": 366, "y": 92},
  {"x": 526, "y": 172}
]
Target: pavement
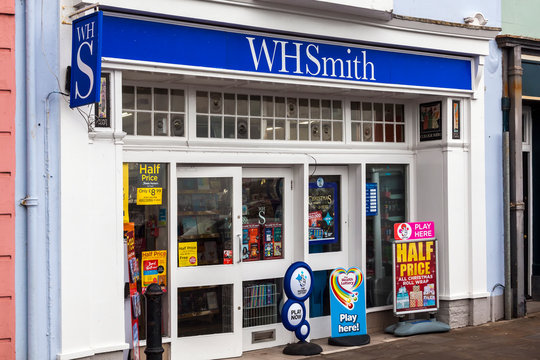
[{"x": 504, "y": 339}]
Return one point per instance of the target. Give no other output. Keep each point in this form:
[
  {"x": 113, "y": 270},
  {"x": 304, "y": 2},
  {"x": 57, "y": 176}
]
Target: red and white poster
[{"x": 415, "y": 268}]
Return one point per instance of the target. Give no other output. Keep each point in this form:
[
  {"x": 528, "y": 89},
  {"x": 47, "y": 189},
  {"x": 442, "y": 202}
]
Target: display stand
[
  {"x": 298, "y": 286},
  {"x": 417, "y": 326},
  {"x": 415, "y": 258},
  {"x": 302, "y": 348},
  {"x": 356, "y": 340}
]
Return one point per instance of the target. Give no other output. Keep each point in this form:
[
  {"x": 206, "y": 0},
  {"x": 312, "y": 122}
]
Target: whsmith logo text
[{"x": 298, "y": 58}]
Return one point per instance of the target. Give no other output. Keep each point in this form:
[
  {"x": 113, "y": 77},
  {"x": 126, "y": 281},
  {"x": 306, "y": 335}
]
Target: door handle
[{"x": 239, "y": 237}]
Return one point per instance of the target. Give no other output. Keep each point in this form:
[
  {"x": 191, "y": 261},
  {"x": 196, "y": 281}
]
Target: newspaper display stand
[{"x": 415, "y": 272}]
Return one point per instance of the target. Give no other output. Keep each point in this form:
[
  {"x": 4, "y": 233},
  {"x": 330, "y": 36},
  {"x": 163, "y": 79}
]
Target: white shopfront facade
[{"x": 268, "y": 124}]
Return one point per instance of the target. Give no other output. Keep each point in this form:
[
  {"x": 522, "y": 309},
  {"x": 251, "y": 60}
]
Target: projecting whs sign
[{"x": 86, "y": 60}]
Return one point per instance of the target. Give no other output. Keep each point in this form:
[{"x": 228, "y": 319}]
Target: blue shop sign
[
  {"x": 246, "y": 52},
  {"x": 86, "y": 60}
]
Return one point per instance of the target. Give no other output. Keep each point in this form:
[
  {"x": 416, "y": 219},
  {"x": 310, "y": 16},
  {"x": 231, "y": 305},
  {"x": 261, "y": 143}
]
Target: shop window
[
  {"x": 256, "y": 117},
  {"x": 389, "y": 182},
  {"x": 377, "y": 122},
  {"x": 319, "y": 301},
  {"x": 204, "y": 221},
  {"x": 204, "y": 310},
  {"x": 324, "y": 213},
  {"x": 261, "y": 301},
  {"x": 262, "y": 219},
  {"x": 153, "y": 111},
  {"x": 146, "y": 211}
]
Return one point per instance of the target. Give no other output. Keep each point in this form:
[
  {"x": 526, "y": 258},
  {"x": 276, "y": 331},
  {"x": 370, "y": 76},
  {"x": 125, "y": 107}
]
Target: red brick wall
[{"x": 7, "y": 179}]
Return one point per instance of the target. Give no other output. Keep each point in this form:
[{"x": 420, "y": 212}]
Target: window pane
[
  {"x": 293, "y": 132},
  {"x": 355, "y": 110},
  {"x": 161, "y": 124},
  {"x": 161, "y": 99},
  {"x": 128, "y": 123},
  {"x": 367, "y": 132},
  {"x": 216, "y": 103},
  {"x": 400, "y": 117},
  {"x": 215, "y": 127},
  {"x": 255, "y": 106},
  {"x": 230, "y": 104},
  {"x": 202, "y": 102},
  {"x": 400, "y": 133},
  {"x": 144, "y": 98},
  {"x": 178, "y": 102},
  {"x": 367, "y": 113},
  {"x": 128, "y": 97},
  {"x": 177, "y": 125},
  {"x": 242, "y": 104},
  {"x": 268, "y": 106},
  {"x": 389, "y": 133},
  {"x": 280, "y": 107},
  {"x": 315, "y": 130},
  {"x": 378, "y": 132},
  {"x": 304, "y": 108},
  {"x": 204, "y": 221},
  {"x": 303, "y": 130},
  {"x": 326, "y": 131},
  {"x": 205, "y": 310},
  {"x": 356, "y": 131},
  {"x": 326, "y": 110},
  {"x": 378, "y": 111},
  {"x": 391, "y": 184},
  {"x": 315, "y": 112},
  {"x": 268, "y": 126},
  {"x": 255, "y": 129},
  {"x": 150, "y": 228},
  {"x": 261, "y": 301},
  {"x": 279, "y": 126},
  {"x": 229, "y": 128},
  {"x": 388, "y": 112},
  {"x": 324, "y": 213},
  {"x": 144, "y": 123},
  {"x": 242, "y": 130},
  {"x": 338, "y": 112},
  {"x": 262, "y": 219},
  {"x": 292, "y": 108},
  {"x": 338, "y": 131},
  {"x": 202, "y": 126}
]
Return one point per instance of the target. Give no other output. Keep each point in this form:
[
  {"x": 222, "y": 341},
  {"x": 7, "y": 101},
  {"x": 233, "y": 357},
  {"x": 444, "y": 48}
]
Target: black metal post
[{"x": 153, "y": 350}]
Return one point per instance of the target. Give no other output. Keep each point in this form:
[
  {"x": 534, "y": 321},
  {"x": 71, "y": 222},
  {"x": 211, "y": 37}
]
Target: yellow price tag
[{"x": 149, "y": 196}]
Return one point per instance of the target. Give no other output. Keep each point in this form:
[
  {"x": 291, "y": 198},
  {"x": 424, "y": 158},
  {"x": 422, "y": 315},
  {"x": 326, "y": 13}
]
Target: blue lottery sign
[
  {"x": 371, "y": 199},
  {"x": 347, "y": 302},
  {"x": 86, "y": 60},
  {"x": 298, "y": 286}
]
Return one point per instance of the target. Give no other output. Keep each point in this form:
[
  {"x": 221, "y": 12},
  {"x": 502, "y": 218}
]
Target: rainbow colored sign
[{"x": 347, "y": 302}]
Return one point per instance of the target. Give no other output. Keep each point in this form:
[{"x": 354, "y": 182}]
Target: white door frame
[
  {"x": 271, "y": 269},
  {"x": 213, "y": 345}
]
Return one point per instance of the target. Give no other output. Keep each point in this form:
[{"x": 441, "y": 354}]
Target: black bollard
[{"x": 153, "y": 350}]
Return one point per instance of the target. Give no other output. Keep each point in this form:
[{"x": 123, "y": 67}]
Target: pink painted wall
[{"x": 7, "y": 179}]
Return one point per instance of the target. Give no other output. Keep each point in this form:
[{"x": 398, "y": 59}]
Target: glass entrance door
[
  {"x": 207, "y": 289},
  {"x": 267, "y": 251},
  {"x": 327, "y": 247}
]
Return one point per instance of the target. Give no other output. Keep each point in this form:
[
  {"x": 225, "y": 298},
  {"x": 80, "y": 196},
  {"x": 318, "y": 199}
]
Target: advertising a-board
[
  {"x": 415, "y": 268},
  {"x": 347, "y": 302}
]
